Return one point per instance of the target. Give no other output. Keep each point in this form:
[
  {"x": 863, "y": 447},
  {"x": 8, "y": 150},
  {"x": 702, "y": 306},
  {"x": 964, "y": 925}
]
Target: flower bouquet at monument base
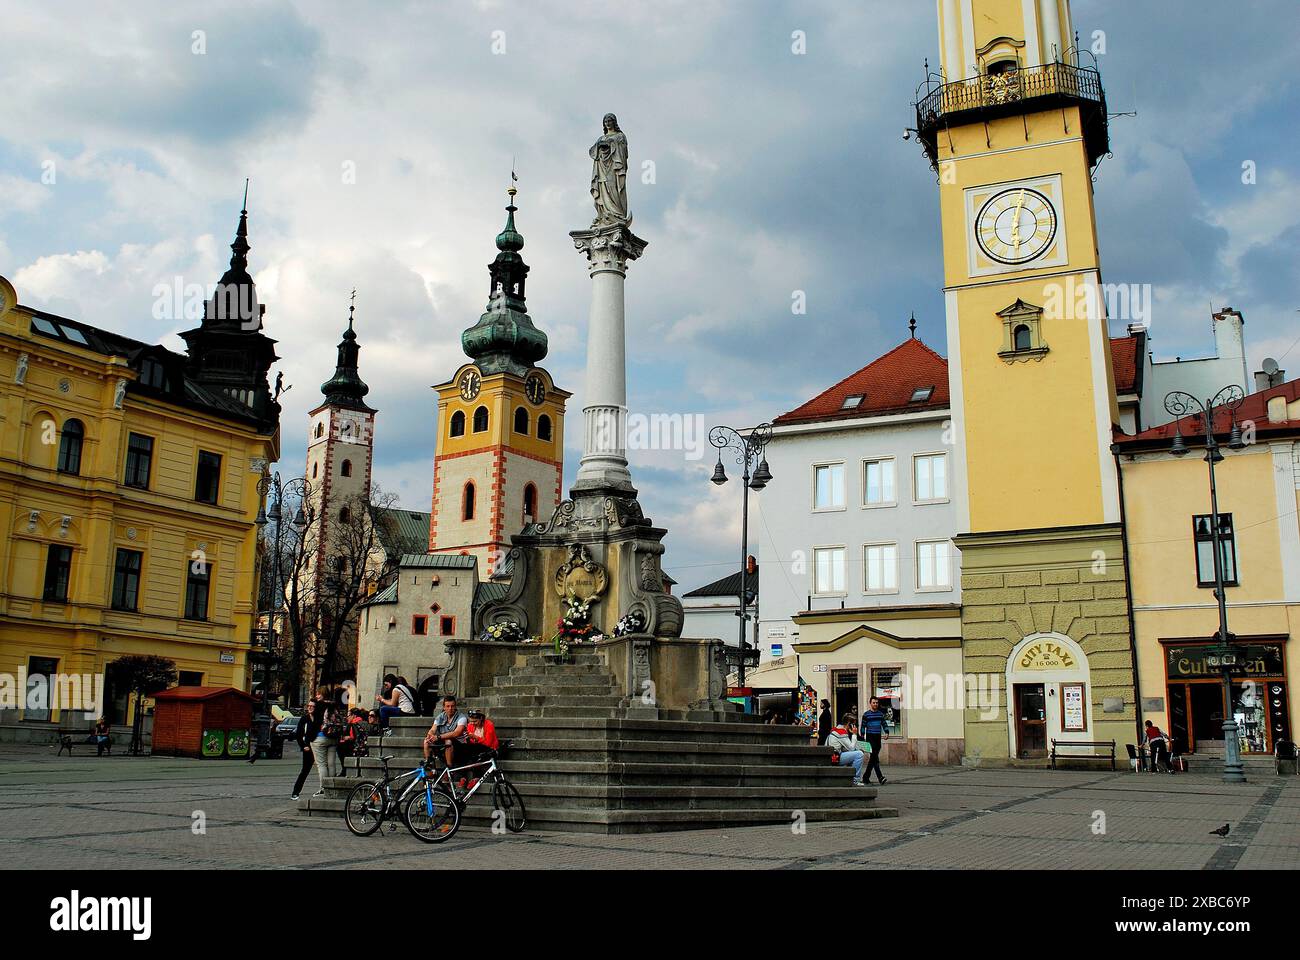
[
  {"x": 505, "y": 630},
  {"x": 574, "y": 626}
]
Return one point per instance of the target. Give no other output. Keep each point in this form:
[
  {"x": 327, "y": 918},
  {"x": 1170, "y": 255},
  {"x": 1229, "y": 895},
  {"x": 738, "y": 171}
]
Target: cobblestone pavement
[{"x": 122, "y": 812}]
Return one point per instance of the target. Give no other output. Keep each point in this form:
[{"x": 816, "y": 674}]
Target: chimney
[{"x": 1277, "y": 409}]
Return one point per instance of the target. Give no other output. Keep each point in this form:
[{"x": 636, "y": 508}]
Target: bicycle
[
  {"x": 369, "y": 804},
  {"x": 505, "y": 797}
]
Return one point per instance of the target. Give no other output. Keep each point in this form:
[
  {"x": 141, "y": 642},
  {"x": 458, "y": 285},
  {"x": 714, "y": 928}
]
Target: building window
[
  {"x": 447, "y": 626},
  {"x": 320, "y": 430},
  {"x": 345, "y": 515},
  {"x": 853, "y": 401},
  {"x": 1205, "y": 550},
  {"x": 315, "y": 470},
  {"x": 921, "y": 394},
  {"x": 933, "y": 565},
  {"x": 126, "y": 580},
  {"x": 887, "y": 687},
  {"x": 207, "y": 479},
  {"x": 877, "y": 482},
  {"x": 458, "y": 423},
  {"x": 420, "y": 625},
  {"x": 70, "y": 446},
  {"x": 189, "y": 678},
  {"x": 58, "y": 571},
  {"x": 1022, "y": 332},
  {"x": 530, "y": 502},
  {"x": 828, "y": 486},
  {"x": 930, "y": 477},
  {"x": 480, "y": 419},
  {"x": 347, "y": 468},
  {"x": 521, "y": 421},
  {"x": 828, "y": 570},
  {"x": 467, "y": 502},
  {"x": 197, "y": 578},
  {"x": 153, "y": 374},
  {"x": 139, "y": 460},
  {"x": 880, "y": 562},
  {"x": 543, "y": 427}
]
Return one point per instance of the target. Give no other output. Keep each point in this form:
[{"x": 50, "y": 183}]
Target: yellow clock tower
[
  {"x": 500, "y": 452},
  {"x": 1014, "y": 125}
]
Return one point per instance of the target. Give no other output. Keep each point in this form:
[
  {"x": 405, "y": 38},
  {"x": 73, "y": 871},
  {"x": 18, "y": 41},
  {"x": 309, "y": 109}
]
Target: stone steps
[{"x": 494, "y": 702}]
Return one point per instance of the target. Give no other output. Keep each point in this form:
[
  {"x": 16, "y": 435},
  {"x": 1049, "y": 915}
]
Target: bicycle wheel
[
  {"x": 364, "y": 810},
  {"x": 506, "y": 799},
  {"x": 432, "y": 822}
]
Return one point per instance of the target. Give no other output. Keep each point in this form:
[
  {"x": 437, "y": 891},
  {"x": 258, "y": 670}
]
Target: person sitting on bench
[
  {"x": 1159, "y": 745},
  {"x": 99, "y": 737}
]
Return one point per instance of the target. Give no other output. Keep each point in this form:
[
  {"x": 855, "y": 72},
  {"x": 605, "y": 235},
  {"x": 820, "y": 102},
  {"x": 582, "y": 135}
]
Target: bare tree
[{"x": 325, "y": 571}]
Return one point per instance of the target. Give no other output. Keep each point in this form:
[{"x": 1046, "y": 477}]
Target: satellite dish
[{"x": 1269, "y": 366}]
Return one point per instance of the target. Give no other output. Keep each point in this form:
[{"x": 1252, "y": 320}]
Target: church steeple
[
  {"x": 346, "y": 388},
  {"x": 228, "y": 352},
  {"x": 504, "y": 339}
]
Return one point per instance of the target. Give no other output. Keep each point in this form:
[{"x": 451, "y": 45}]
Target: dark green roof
[
  {"x": 439, "y": 561},
  {"x": 401, "y": 531}
]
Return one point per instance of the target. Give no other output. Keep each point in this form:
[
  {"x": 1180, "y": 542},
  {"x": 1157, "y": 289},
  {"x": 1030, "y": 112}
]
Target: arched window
[
  {"x": 345, "y": 515},
  {"x": 467, "y": 502},
  {"x": 521, "y": 421},
  {"x": 458, "y": 423},
  {"x": 320, "y": 430},
  {"x": 347, "y": 468},
  {"x": 70, "y": 446},
  {"x": 543, "y": 427},
  {"x": 1023, "y": 338},
  {"x": 480, "y": 419},
  {"x": 530, "y": 502}
]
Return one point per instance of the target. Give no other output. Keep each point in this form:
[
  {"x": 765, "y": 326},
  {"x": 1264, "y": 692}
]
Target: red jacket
[{"x": 486, "y": 736}]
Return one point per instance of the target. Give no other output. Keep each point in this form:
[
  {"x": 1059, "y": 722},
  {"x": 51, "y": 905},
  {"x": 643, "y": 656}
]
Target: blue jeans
[
  {"x": 387, "y": 712},
  {"x": 855, "y": 757}
]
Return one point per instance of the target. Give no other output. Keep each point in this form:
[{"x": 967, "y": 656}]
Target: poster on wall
[{"x": 1074, "y": 710}]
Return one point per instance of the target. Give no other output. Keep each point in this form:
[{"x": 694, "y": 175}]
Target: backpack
[{"x": 331, "y": 726}]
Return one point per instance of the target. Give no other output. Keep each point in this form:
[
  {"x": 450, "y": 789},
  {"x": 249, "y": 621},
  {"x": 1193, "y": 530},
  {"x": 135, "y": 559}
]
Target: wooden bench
[{"x": 1093, "y": 745}]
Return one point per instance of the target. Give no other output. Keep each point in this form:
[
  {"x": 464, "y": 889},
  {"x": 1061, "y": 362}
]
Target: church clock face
[
  {"x": 535, "y": 389},
  {"x": 1015, "y": 225},
  {"x": 470, "y": 382}
]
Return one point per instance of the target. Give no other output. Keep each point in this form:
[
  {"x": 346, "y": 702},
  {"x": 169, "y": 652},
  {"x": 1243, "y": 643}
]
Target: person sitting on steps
[
  {"x": 846, "y": 749},
  {"x": 447, "y": 732}
]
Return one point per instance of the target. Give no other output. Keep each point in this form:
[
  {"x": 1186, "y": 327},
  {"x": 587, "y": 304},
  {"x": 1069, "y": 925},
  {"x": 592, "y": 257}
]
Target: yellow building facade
[
  {"x": 1167, "y": 506},
  {"x": 1013, "y": 134},
  {"x": 129, "y": 490}
]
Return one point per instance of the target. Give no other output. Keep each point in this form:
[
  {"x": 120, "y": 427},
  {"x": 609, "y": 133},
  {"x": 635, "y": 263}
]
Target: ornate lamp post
[
  {"x": 748, "y": 449},
  {"x": 1222, "y": 656},
  {"x": 272, "y": 484}
]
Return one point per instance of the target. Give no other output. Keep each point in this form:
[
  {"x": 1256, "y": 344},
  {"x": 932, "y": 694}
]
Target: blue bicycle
[{"x": 433, "y": 819}]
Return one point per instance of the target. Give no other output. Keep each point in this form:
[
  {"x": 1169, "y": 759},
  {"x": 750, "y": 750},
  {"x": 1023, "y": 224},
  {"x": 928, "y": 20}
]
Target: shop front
[
  {"x": 907, "y": 658},
  {"x": 1258, "y": 699}
]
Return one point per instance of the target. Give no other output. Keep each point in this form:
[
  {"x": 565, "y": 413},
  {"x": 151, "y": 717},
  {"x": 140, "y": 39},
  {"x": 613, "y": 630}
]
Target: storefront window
[
  {"x": 1252, "y": 721},
  {"x": 887, "y": 685}
]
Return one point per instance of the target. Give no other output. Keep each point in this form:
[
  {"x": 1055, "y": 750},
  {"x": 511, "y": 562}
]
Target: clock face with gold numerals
[
  {"x": 1016, "y": 225},
  {"x": 535, "y": 389},
  {"x": 470, "y": 382}
]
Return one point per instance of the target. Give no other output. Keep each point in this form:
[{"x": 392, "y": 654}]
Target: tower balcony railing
[{"x": 1017, "y": 91}]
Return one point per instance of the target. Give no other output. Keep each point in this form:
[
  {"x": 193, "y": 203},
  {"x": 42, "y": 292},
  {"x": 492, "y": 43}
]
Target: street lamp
[
  {"x": 272, "y": 484},
  {"x": 748, "y": 449},
  {"x": 1222, "y": 656}
]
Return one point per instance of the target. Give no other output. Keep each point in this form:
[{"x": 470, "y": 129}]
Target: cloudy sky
[{"x": 379, "y": 138}]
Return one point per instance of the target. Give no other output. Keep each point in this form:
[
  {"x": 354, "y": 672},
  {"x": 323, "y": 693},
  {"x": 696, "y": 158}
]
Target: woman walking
[
  {"x": 303, "y": 735},
  {"x": 325, "y": 748}
]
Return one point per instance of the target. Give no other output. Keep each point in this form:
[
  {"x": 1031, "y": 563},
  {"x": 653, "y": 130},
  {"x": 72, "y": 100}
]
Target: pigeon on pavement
[{"x": 1222, "y": 831}]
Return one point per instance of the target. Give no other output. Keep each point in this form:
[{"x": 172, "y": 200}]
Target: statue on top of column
[{"x": 609, "y": 175}]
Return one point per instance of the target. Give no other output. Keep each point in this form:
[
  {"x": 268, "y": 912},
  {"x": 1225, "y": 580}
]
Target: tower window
[
  {"x": 447, "y": 626},
  {"x": 480, "y": 419},
  {"x": 345, "y": 515},
  {"x": 315, "y": 470},
  {"x": 543, "y": 427},
  {"x": 320, "y": 430},
  {"x": 530, "y": 502},
  {"x": 420, "y": 625},
  {"x": 467, "y": 502},
  {"x": 1002, "y": 66},
  {"x": 458, "y": 423},
  {"x": 1023, "y": 338},
  {"x": 521, "y": 421},
  {"x": 70, "y": 447},
  {"x": 347, "y": 468}
]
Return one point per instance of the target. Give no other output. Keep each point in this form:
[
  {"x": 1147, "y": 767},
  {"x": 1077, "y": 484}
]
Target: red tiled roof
[
  {"x": 1254, "y": 408},
  {"x": 886, "y": 384},
  {"x": 1124, "y": 361}
]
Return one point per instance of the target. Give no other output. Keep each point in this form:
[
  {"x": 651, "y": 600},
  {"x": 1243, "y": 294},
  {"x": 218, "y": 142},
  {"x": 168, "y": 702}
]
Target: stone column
[{"x": 604, "y": 469}]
